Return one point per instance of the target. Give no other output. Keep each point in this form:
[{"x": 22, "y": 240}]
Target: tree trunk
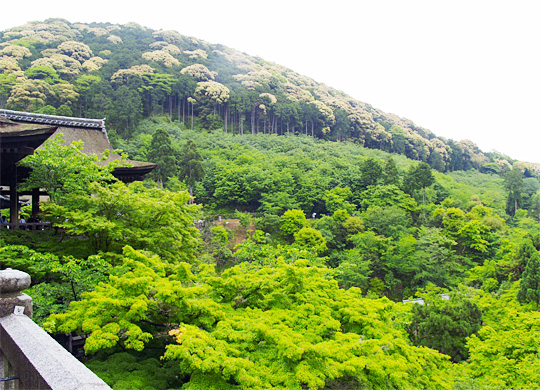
[
  {"x": 241, "y": 119},
  {"x": 253, "y": 120},
  {"x": 226, "y": 115},
  {"x": 192, "y": 116}
]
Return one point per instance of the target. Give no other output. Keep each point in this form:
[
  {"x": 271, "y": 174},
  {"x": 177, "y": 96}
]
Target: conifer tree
[
  {"x": 513, "y": 182},
  {"x": 419, "y": 176},
  {"x": 161, "y": 153},
  {"x": 391, "y": 173},
  {"x": 190, "y": 165},
  {"x": 529, "y": 290}
]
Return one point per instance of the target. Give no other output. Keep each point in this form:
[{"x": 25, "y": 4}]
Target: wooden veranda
[{"x": 21, "y": 133}]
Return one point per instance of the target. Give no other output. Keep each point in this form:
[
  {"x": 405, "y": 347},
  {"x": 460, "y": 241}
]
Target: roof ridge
[{"x": 53, "y": 119}]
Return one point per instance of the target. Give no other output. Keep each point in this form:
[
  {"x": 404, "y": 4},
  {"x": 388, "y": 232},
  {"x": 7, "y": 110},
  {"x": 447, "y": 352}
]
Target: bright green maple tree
[
  {"x": 115, "y": 215},
  {"x": 288, "y": 326},
  {"x": 64, "y": 169}
]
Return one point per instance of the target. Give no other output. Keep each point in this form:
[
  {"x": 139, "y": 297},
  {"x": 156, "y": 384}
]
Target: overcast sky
[{"x": 463, "y": 69}]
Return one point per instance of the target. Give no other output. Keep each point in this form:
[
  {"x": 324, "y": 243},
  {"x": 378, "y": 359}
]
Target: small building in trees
[{"x": 21, "y": 133}]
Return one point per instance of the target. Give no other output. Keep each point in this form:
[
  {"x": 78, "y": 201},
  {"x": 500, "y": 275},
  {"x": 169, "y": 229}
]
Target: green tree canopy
[{"x": 63, "y": 170}]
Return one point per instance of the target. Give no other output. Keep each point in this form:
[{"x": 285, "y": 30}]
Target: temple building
[{"x": 21, "y": 133}]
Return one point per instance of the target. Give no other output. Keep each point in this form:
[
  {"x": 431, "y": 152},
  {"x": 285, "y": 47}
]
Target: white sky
[{"x": 463, "y": 69}]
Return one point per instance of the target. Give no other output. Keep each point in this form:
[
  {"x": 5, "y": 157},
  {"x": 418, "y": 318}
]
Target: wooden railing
[{"x": 27, "y": 225}]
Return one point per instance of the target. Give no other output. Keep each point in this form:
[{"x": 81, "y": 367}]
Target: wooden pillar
[
  {"x": 35, "y": 203},
  {"x": 14, "y": 202}
]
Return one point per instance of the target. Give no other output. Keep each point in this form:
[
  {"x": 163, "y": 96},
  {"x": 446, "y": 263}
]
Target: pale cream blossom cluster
[
  {"x": 268, "y": 98},
  {"x": 65, "y": 66},
  {"x": 199, "y": 72},
  {"x": 167, "y": 47},
  {"x": 114, "y": 39},
  {"x": 161, "y": 57},
  {"x": 158, "y": 45},
  {"x": 169, "y": 36},
  {"x": 15, "y": 51},
  {"x": 97, "y": 31},
  {"x": 326, "y": 112},
  {"x": 30, "y": 94},
  {"x": 198, "y": 53},
  {"x": 255, "y": 78},
  {"x": 122, "y": 75},
  {"x": 9, "y": 65},
  {"x": 56, "y": 30},
  {"x": 172, "y": 49},
  {"x": 439, "y": 146},
  {"x": 470, "y": 148},
  {"x": 94, "y": 63},
  {"x": 65, "y": 92},
  {"x": 76, "y": 50},
  {"x": 213, "y": 90},
  {"x": 296, "y": 94}
]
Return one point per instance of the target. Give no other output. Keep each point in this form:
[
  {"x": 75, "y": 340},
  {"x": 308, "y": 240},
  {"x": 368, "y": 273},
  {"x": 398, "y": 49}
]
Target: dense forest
[
  {"x": 284, "y": 226},
  {"x": 127, "y": 73}
]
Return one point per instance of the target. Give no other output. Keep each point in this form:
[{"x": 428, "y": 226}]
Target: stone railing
[{"x": 29, "y": 357}]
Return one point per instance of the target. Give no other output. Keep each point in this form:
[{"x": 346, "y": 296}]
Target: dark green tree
[
  {"x": 190, "y": 165},
  {"x": 529, "y": 289},
  {"x": 399, "y": 140},
  {"x": 370, "y": 172},
  {"x": 418, "y": 177},
  {"x": 436, "y": 161},
  {"x": 513, "y": 182},
  {"x": 445, "y": 325},
  {"x": 391, "y": 173},
  {"x": 44, "y": 73},
  {"x": 161, "y": 152}
]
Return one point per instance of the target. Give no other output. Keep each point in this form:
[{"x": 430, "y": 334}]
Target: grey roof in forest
[
  {"x": 67, "y": 121},
  {"x": 91, "y": 131}
]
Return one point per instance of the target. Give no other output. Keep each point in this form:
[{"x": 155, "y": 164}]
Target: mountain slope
[{"x": 127, "y": 72}]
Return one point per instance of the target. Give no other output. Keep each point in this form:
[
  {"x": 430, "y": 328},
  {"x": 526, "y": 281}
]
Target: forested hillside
[
  {"x": 126, "y": 73},
  {"x": 276, "y": 240}
]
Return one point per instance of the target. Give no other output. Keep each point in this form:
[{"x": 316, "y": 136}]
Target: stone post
[{"x": 12, "y": 300}]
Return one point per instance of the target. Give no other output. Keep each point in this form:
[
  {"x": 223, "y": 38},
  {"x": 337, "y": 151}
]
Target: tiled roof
[{"x": 52, "y": 119}]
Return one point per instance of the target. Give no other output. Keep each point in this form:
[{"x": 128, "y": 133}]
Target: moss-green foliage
[{"x": 123, "y": 371}]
